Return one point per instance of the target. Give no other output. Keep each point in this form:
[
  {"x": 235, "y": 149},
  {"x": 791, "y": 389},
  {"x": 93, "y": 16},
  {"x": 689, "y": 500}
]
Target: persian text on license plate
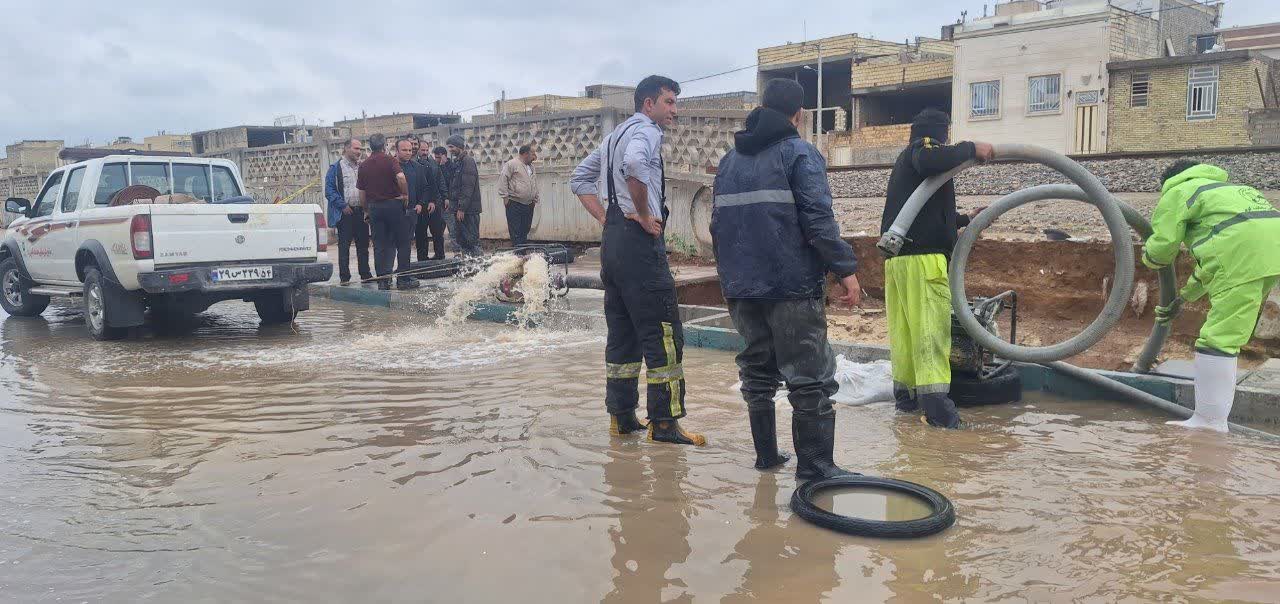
[{"x": 241, "y": 273}]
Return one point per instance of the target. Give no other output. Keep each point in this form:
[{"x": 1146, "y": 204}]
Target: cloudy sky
[{"x": 89, "y": 70}]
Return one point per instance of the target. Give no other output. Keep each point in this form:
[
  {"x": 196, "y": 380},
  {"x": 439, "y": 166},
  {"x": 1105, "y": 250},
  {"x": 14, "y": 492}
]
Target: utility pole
[
  {"x": 502, "y": 105},
  {"x": 819, "y": 114}
]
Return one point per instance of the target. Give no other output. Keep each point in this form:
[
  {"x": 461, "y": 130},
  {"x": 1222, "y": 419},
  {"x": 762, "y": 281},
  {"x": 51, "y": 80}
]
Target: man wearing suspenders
[{"x": 640, "y": 296}]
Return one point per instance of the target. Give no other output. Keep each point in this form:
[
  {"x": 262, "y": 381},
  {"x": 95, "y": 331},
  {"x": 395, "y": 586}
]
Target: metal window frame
[
  {"x": 1134, "y": 80},
  {"x": 1050, "y": 111},
  {"x": 996, "y": 110},
  {"x": 1202, "y": 78}
]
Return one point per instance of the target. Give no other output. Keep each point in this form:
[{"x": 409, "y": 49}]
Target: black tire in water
[
  {"x": 15, "y": 292},
  {"x": 942, "y": 516},
  {"x": 273, "y": 309},
  {"x": 1001, "y": 388},
  {"x": 96, "y": 308}
]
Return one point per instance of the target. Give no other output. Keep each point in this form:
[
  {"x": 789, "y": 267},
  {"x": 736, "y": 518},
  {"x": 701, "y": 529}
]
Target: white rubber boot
[{"x": 1215, "y": 392}]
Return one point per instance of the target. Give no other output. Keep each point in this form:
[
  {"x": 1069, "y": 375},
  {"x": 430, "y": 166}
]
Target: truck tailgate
[{"x": 205, "y": 233}]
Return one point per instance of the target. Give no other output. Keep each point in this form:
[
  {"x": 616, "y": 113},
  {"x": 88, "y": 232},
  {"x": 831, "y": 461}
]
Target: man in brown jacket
[{"x": 518, "y": 188}]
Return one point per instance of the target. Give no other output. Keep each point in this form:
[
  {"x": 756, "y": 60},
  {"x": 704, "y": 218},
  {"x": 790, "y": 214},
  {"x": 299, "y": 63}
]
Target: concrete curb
[{"x": 1257, "y": 397}]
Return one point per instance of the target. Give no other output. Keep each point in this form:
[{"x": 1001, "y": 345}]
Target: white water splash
[{"x": 534, "y": 287}]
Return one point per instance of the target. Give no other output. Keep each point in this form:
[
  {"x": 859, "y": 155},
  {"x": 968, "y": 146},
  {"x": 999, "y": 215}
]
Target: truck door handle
[{"x": 238, "y": 218}]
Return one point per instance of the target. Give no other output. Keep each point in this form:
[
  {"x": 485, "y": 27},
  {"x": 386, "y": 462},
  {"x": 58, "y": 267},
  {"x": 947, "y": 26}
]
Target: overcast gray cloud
[{"x": 96, "y": 70}]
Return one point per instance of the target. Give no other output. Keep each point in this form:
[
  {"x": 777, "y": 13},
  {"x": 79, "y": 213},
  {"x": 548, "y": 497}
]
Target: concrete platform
[{"x": 1257, "y": 397}]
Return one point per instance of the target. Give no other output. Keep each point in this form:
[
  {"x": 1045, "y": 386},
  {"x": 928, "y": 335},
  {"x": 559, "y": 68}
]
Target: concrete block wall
[
  {"x": 1163, "y": 123},
  {"x": 1181, "y": 21},
  {"x": 1132, "y": 36}
]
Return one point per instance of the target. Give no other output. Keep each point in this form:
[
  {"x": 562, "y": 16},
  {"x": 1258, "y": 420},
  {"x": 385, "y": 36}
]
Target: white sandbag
[{"x": 860, "y": 383}]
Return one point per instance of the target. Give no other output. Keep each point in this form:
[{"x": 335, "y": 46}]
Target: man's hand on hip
[
  {"x": 462, "y": 215},
  {"x": 651, "y": 224},
  {"x": 347, "y": 211}
]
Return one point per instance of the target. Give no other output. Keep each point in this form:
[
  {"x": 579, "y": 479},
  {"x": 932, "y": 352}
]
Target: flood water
[{"x": 367, "y": 458}]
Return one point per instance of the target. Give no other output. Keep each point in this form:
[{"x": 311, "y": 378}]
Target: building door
[{"x": 1088, "y": 129}]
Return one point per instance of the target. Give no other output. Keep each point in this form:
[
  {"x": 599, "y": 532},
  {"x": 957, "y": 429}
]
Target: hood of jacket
[
  {"x": 764, "y": 127},
  {"x": 1206, "y": 171}
]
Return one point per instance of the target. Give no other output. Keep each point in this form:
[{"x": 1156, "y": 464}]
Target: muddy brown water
[{"x": 231, "y": 463}]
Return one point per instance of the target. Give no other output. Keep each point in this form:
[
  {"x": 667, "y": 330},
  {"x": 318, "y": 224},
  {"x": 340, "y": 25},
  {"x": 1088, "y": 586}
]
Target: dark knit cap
[
  {"x": 931, "y": 123},
  {"x": 457, "y": 141}
]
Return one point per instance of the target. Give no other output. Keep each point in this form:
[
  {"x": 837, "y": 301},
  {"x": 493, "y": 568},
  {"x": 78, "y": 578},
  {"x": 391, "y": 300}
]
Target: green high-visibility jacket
[{"x": 1231, "y": 231}]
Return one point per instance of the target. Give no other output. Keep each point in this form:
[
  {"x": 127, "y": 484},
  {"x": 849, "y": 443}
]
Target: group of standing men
[{"x": 416, "y": 195}]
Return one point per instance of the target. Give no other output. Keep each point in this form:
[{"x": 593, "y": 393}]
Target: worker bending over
[
  {"x": 917, "y": 291},
  {"x": 1233, "y": 233}
]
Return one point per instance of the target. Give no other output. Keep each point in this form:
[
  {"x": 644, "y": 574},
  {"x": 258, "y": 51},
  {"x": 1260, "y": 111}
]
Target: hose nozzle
[{"x": 890, "y": 244}]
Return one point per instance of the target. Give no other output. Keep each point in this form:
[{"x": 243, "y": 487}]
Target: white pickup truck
[{"x": 180, "y": 238}]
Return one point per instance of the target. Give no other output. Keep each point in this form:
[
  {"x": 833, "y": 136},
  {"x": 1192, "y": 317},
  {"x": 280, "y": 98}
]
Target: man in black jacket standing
[
  {"x": 464, "y": 188},
  {"x": 776, "y": 238},
  {"x": 917, "y": 292},
  {"x": 430, "y": 225}
]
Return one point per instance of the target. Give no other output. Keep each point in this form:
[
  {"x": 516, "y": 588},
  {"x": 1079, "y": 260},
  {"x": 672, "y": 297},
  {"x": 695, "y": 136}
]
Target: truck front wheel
[
  {"x": 15, "y": 292},
  {"x": 275, "y": 307},
  {"x": 95, "y": 308}
]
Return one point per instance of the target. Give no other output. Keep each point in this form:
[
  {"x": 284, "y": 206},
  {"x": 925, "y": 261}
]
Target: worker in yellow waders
[
  {"x": 1233, "y": 233},
  {"x": 917, "y": 292}
]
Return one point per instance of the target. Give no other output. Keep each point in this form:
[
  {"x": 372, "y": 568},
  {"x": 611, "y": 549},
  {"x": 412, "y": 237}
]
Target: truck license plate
[{"x": 241, "y": 273}]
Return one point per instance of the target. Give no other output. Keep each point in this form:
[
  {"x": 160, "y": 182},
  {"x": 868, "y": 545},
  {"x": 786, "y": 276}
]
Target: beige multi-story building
[
  {"x": 1036, "y": 73},
  {"x": 1214, "y": 100}
]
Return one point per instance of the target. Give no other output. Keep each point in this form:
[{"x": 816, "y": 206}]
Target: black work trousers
[
  {"x": 392, "y": 236},
  {"x": 430, "y": 229},
  {"x": 353, "y": 229},
  {"x": 519, "y": 221},
  {"x": 786, "y": 343},
  {"x": 469, "y": 235},
  {"x": 643, "y": 319}
]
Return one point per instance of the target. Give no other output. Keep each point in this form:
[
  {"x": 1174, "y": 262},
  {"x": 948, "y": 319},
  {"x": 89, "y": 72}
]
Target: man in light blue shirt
[{"x": 639, "y": 293}]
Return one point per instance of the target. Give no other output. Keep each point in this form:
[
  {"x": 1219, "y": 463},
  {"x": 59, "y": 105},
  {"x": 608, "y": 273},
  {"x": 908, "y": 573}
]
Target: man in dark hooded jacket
[
  {"x": 917, "y": 290},
  {"x": 775, "y": 240}
]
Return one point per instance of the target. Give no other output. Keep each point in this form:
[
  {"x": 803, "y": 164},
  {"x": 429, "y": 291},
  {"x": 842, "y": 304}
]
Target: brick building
[
  {"x": 1206, "y": 101},
  {"x": 870, "y": 89}
]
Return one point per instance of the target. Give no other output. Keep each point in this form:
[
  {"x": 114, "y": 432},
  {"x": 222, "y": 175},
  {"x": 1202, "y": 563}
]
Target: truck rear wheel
[
  {"x": 95, "y": 308},
  {"x": 275, "y": 307},
  {"x": 15, "y": 292}
]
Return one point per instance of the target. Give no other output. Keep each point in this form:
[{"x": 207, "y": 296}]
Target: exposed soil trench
[{"x": 1061, "y": 289}]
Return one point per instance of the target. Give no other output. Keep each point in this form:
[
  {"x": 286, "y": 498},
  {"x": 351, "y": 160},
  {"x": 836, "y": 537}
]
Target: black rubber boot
[
  {"x": 815, "y": 440},
  {"x": 904, "y": 402},
  {"x": 625, "y": 423},
  {"x": 940, "y": 410},
  {"x": 669, "y": 431},
  {"x": 764, "y": 432}
]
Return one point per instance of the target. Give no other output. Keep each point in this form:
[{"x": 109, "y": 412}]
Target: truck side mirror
[{"x": 18, "y": 205}]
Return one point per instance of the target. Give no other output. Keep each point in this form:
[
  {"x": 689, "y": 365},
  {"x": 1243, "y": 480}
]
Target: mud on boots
[
  {"x": 640, "y": 306},
  {"x": 775, "y": 239},
  {"x": 1233, "y": 233},
  {"x": 917, "y": 289}
]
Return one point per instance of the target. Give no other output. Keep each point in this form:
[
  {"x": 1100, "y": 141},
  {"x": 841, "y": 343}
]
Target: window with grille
[
  {"x": 1202, "y": 93},
  {"x": 1044, "y": 93},
  {"x": 984, "y": 99},
  {"x": 1140, "y": 90}
]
